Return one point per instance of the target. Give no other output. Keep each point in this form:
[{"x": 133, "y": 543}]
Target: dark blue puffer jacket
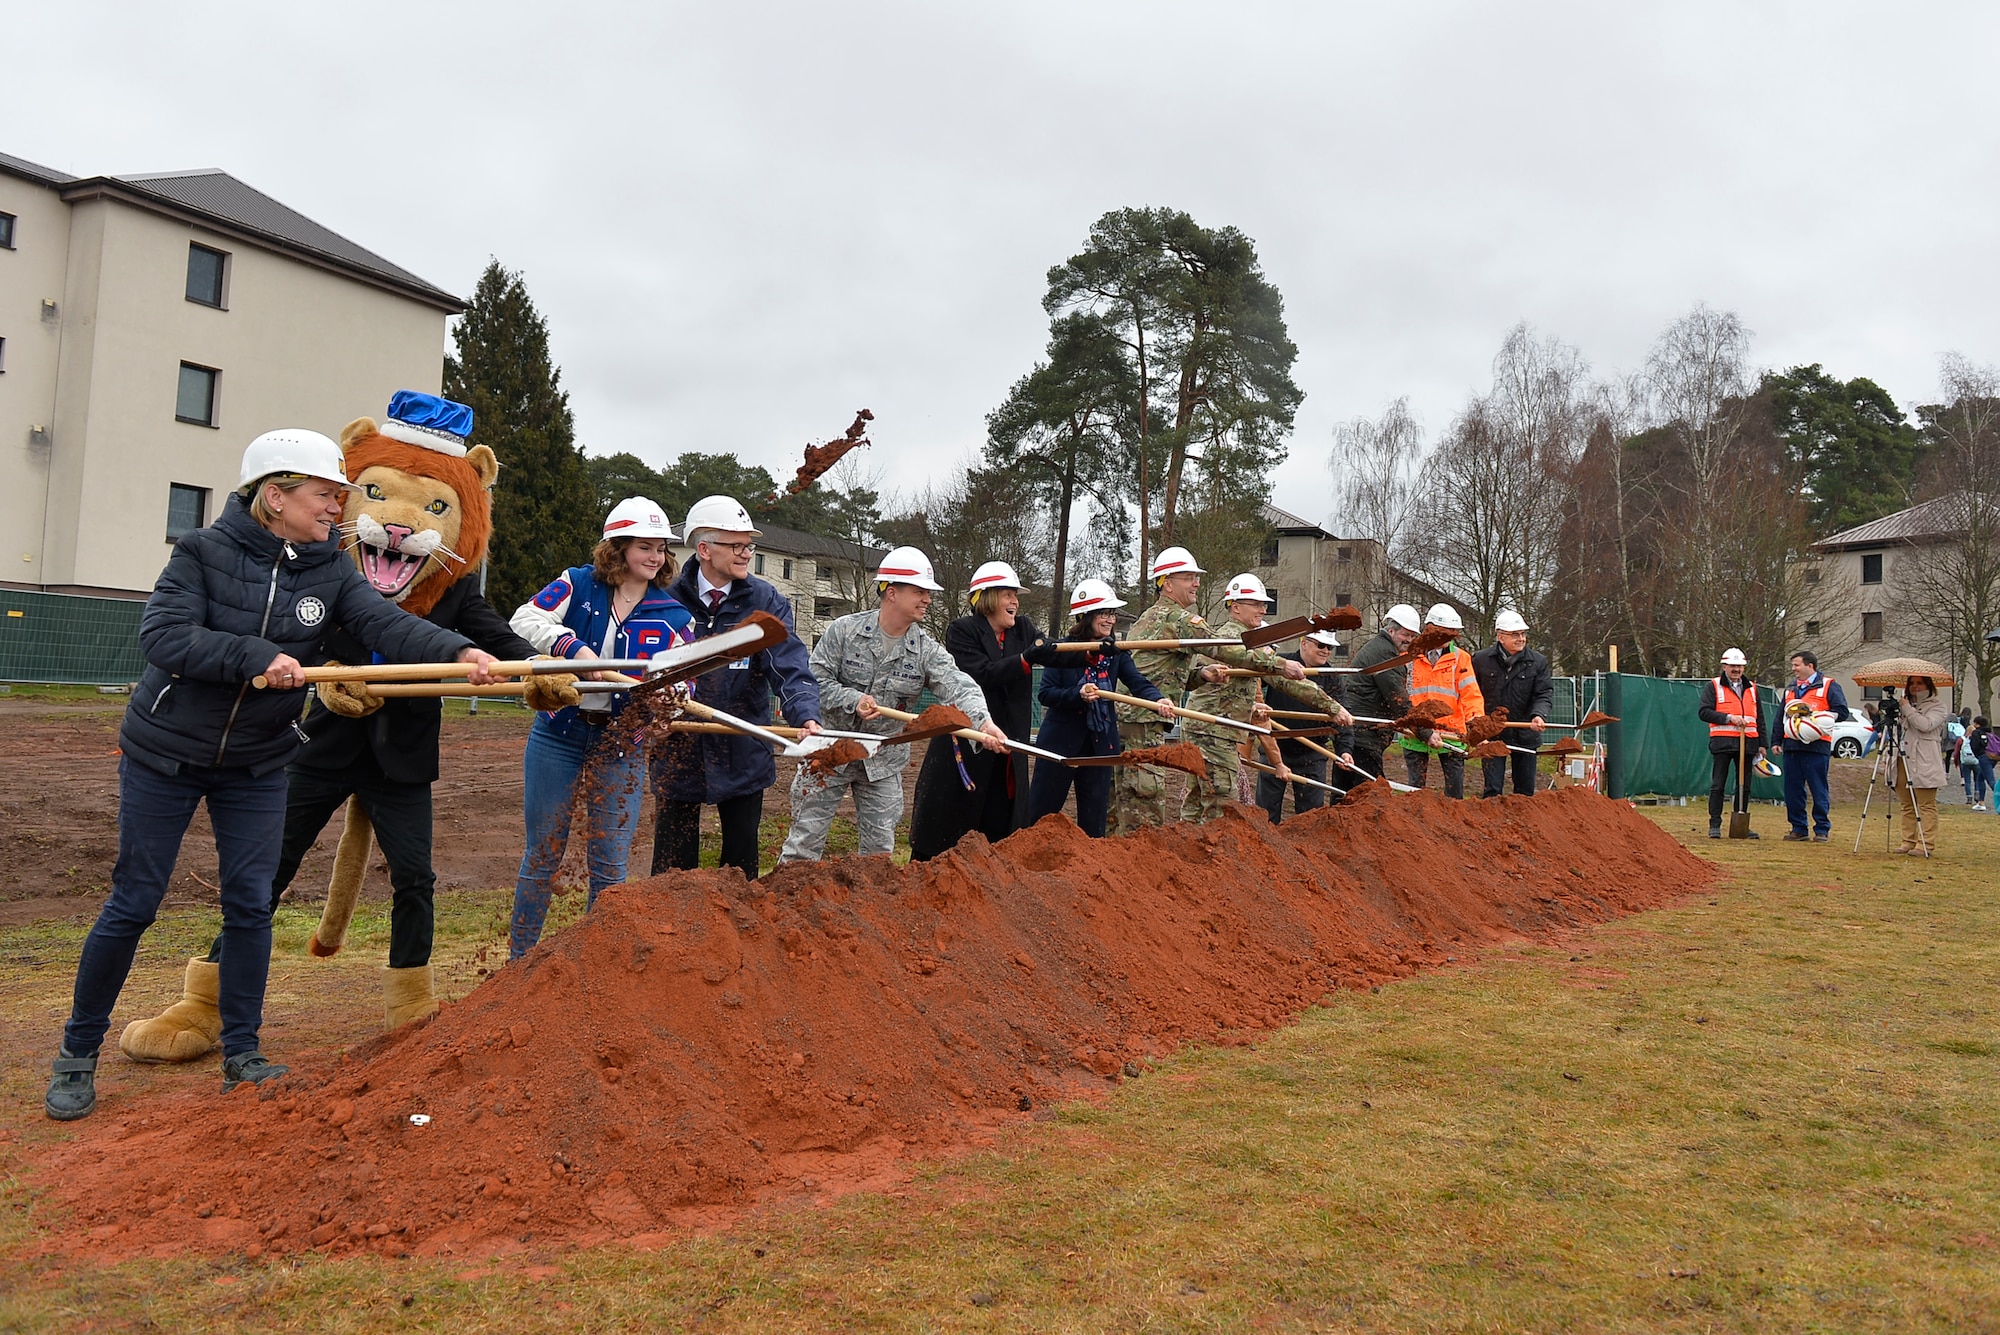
[
  {"x": 233, "y": 597},
  {"x": 698, "y": 767}
]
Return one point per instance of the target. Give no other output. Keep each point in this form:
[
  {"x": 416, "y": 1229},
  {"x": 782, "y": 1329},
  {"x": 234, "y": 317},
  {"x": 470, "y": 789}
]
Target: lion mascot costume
[{"x": 417, "y": 526}]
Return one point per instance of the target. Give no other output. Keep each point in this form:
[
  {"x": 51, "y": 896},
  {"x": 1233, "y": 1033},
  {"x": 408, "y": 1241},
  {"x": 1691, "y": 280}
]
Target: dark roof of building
[
  {"x": 1287, "y": 522},
  {"x": 792, "y": 542},
  {"x": 1932, "y": 520},
  {"x": 33, "y": 171},
  {"x": 216, "y": 199}
]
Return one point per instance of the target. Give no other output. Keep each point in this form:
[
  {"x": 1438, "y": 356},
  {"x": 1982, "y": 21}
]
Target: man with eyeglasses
[{"x": 690, "y": 770}]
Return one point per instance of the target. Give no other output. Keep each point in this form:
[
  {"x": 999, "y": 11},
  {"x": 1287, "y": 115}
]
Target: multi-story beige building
[
  {"x": 1874, "y": 605},
  {"x": 150, "y": 326},
  {"x": 1306, "y": 569}
]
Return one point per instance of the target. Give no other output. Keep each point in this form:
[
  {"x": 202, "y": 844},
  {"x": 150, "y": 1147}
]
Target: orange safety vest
[
  {"x": 1732, "y": 700},
  {"x": 1451, "y": 680},
  {"x": 1816, "y": 696}
]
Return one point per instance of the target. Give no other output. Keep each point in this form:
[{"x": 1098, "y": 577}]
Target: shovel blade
[{"x": 1739, "y": 825}]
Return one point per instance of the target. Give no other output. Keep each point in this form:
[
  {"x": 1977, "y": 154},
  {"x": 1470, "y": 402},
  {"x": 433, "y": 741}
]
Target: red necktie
[{"x": 714, "y": 601}]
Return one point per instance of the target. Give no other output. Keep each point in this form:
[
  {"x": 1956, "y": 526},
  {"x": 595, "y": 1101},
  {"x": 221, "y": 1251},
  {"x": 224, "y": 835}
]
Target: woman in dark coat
[
  {"x": 962, "y": 788},
  {"x": 1076, "y": 723},
  {"x": 255, "y": 594}
]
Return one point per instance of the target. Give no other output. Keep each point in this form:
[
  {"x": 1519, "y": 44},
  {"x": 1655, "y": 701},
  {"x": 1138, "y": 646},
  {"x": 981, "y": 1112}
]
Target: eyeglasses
[{"x": 735, "y": 548}]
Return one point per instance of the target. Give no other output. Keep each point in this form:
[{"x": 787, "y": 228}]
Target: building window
[
  {"x": 788, "y": 567},
  {"x": 1344, "y": 553},
  {"x": 825, "y": 573},
  {"x": 1812, "y": 575},
  {"x": 1871, "y": 627},
  {"x": 6, "y": 231},
  {"x": 1269, "y": 556},
  {"x": 195, "y": 401},
  {"x": 1871, "y": 569},
  {"x": 205, "y": 271},
  {"x": 1343, "y": 600},
  {"x": 757, "y": 563},
  {"x": 823, "y": 608},
  {"x": 1812, "y": 627},
  {"x": 3, "y": 356},
  {"x": 1340, "y": 651},
  {"x": 187, "y": 509}
]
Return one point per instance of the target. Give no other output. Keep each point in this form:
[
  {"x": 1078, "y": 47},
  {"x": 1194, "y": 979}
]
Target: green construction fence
[
  {"x": 68, "y": 638},
  {"x": 1660, "y": 746}
]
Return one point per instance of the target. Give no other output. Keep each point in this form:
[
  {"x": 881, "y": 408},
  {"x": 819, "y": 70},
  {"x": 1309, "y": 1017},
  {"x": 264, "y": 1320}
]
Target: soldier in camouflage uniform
[
  {"x": 1237, "y": 698},
  {"x": 1140, "y": 796},
  {"x": 864, "y": 661}
]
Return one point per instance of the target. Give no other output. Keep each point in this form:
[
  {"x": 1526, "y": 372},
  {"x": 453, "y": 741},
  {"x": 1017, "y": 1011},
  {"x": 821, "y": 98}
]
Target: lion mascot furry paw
[{"x": 417, "y": 528}]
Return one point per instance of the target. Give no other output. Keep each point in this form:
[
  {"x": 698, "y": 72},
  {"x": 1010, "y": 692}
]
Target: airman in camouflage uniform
[
  {"x": 1139, "y": 798},
  {"x": 1235, "y": 697}
]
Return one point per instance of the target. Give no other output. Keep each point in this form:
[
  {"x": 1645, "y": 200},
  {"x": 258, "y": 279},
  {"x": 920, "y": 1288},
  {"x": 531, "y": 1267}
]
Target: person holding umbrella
[
  {"x": 1730, "y": 708},
  {"x": 257, "y": 593},
  {"x": 1075, "y": 722},
  {"x": 1924, "y": 719}
]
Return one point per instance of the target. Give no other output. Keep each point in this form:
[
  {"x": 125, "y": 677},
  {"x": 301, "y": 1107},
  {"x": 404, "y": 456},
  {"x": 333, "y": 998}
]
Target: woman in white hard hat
[
  {"x": 864, "y": 661},
  {"x": 615, "y": 607},
  {"x": 961, "y": 787},
  {"x": 257, "y": 593},
  {"x": 1075, "y": 722}
]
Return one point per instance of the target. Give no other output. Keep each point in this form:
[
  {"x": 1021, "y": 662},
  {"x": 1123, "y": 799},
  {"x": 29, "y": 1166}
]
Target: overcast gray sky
[{"x": 744, "y": 221}]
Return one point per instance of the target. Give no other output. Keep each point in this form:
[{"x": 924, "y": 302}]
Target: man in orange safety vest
[{"x": 1730, "y": 709}]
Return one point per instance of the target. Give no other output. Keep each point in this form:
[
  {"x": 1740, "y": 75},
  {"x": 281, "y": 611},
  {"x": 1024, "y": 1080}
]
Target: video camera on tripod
[{"x": 1890, "y": 707}]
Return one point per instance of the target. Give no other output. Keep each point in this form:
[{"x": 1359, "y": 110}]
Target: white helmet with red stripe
[
  {"x": 1245, "y": 588},
  {"x": 637, "y": 517},
  {"x": 994, "y": 575},
  {"x": 907, "y": 565},
  {"x": 1093, "y": 596},
  {"x": 1174, "y": 561}
]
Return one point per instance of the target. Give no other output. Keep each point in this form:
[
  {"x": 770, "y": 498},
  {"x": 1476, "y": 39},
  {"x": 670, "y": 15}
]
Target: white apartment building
[{"x": 150, "y": 326}]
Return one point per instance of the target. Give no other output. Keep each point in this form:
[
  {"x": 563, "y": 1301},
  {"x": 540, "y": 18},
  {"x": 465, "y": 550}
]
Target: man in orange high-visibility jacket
[
  {"x": 1729, "y": 707},
  {"x": 1446, "y": 676}
]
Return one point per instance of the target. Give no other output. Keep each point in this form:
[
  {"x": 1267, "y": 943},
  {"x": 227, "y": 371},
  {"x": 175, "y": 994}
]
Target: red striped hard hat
[
  {"x": 1094, "y": 596},
  {"x": 1174, "y": 561},
  {"x": 637, "y": 517},
  {"x": 907, "y": 565},
  {"x": 994, "y": 575}
]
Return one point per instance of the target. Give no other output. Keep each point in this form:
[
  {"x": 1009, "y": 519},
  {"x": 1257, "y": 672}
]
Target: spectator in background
[
  {"x": 1874, "y": 712},
  {"x": 1978, "y": 748}
]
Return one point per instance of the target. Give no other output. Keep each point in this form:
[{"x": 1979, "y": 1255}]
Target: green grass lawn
[{"x": 1771, "y": 1107}]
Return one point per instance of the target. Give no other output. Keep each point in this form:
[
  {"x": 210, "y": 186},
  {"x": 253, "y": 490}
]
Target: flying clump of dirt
[
  {"x": 699, "y": 1043},
  {"x": 844, "y": 751},
  {"x": 1183, "y": 756}
]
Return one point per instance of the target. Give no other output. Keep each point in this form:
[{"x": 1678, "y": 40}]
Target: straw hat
[{"x": 1896, "y": 671}]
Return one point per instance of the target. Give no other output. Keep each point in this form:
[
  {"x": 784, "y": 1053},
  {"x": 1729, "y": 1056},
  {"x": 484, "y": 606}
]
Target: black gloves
[
  {"x": 1040, "y": 654},
  {"x": 1108, "y": 645}
]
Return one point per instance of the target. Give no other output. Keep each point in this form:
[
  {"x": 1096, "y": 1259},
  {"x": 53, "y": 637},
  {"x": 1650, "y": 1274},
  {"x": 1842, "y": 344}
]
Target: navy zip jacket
[
  {"x": 233, "y": 597},
  {"x": 1074, "y": 726},
  {"x": 1836, "y": 701},
  {"x": 1298, "y": 753},
  {"x": 697, "y": 767},
  {"x": 403, "y": 733}
]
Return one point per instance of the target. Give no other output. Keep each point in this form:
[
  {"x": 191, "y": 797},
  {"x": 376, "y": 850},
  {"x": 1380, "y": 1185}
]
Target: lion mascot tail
[{"x": 350, "y": 863}]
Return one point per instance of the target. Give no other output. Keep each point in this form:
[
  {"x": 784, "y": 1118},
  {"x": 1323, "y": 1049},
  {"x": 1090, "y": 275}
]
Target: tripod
[{"x": 1892, "y": 743}]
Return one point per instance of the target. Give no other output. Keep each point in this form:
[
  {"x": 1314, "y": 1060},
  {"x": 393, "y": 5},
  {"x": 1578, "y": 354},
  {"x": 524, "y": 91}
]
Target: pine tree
[{"x": 545, "y": 515}]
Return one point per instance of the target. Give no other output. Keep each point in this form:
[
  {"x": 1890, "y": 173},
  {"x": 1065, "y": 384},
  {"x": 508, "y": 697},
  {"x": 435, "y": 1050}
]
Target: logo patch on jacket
[
  {"x": 310, "y": 611},
  {"x": 646, "y": 638},
  {"x": 551, "y": 598}
]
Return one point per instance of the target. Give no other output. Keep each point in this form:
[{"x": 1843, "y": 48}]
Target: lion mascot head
[{"x": 424, "y": 511}]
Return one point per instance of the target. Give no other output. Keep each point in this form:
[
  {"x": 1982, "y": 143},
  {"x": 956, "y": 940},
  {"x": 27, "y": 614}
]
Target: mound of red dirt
[{"x": 698, "y": 1043}]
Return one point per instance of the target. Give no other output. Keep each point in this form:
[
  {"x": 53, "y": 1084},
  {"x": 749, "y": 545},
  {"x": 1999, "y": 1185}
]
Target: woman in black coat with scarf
[
  {"x": 962, "y": 788},
  {"x": 256, "y": 594}
]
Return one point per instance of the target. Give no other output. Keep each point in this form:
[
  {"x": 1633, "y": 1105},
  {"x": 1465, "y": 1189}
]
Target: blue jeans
[
  {"x": 1806, "y": 770},
  {"x": 1983, "y": 783},
  {"x": 1965, "y": 773},
  {"x": 248, "y": 815},
  {"x": 554, "y": 763}
]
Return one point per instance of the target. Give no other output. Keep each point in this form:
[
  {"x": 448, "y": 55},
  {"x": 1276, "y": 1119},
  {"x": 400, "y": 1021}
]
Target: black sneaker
[
  {"x": 73, "y": 1090},
  {"x": 1715, "y": 831},
  {"x": 249, "y": 1067},
  {"x": 1752, "y": 834}
]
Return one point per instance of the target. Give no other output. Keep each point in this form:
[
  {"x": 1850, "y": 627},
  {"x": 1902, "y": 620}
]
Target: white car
[{"x": 1852, "y": 738}]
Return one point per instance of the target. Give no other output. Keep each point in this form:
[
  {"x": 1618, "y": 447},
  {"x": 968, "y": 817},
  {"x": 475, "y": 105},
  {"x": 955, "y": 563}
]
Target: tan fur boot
[
  {"x": 407, "y": 995},
  {"x": 188, "y": 1029}
]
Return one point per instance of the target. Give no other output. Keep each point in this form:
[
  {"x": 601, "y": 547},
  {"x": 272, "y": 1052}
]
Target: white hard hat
[
  {"x": 907, "y": 565},
  {"x": 1245, "y": 588},
  {"x": 1809, "y": 727},
  {"x": 637, "y": 517},
  {"x": 1405, "y": 616},
  {"x": 1733, "y": 658},
  {"x": 296, "y": 451},
  {"x": 1324, "y": 637},
  {"x": 1445, "y": 617},
  {"x": 1093, "y": 596},
  {"x": 723, "y": 513},
  {"x": 1509, "y": 619},
  {"x": 994, "y": 575},
  {"x": 1174, "y": 561}
]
